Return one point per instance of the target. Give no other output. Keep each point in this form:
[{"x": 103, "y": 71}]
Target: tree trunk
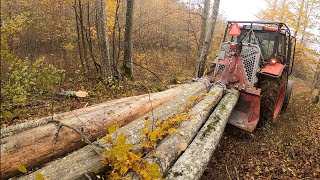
[
  {"x": 204, "y": 30},
  {"x": 103, "y": 42},
  {"x": 36, "y": 146},
  {"x": 82, "y": 29},
  {"x": 127, "y": 57},
  {"x": 205, "y": 49},
  {"x": 195, "y": 159},
  {"x": 171, "y": 147},
  {"x": 204, "y": 25},
  {"x": 78, "y": 38},
  {"x": 82, "y": 161}
]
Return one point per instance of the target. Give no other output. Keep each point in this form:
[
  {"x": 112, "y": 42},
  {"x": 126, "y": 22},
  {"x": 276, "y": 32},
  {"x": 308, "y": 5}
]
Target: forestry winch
[{"x": 256, "y": 58}]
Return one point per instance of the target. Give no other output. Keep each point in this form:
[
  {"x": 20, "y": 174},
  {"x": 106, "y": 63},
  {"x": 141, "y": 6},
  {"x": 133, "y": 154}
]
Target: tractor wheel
[{"x": 272, "y": 97}]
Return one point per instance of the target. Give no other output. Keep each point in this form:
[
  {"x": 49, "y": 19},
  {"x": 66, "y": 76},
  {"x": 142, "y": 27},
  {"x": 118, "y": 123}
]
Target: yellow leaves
[
  {"x": 147, "y": 123},
  {"x": 107, "y": 138},
  {"x": 121, "y": 157},
  {"x": 120, "y": 149},
  {"x": 172, "y": 130},
  {"x": 134, "y": 157},
  {"x": 121, "y": 140},
  {"x": 112, "y": 128},
  {"x": 39, "y": 176},
  {"x": 161, "y": 130},
  {"x": 123, "y": 169},
  {"x": 192, "y": 99},
  {"x": 22, "y": 168},
  {"x": 212, "y": 93},
  {"x": 153, "y": 170},
  {"x": 115, "y": 175},
  {"x": 104, "y": 161},
  {"x": 68, "y": 46},
  {"x": 95, "y": 170}
]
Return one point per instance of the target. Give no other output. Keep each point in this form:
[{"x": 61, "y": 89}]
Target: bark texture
[
  {"x": 203, "y": 33},
  {"x": 82, "y": 161},
  {"x": 36, "y": 146},
  {"x": 194, "y": 160},
  {"x": 103, "y": 39},
  {"x": 127, "y": 56},
  {"x": 11, "y": 130},
  {"x": 171, "y": 147},
  {"x": 206, "y": 46}
]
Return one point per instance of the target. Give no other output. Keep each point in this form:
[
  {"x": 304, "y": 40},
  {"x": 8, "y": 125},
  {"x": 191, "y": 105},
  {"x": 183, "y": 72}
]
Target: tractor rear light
[{"x": 273, "y": 61}]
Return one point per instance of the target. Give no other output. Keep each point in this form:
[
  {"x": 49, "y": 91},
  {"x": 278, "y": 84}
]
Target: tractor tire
[
  {"x": 272, "y": 98},
  {"x": 287, "y": 96}
]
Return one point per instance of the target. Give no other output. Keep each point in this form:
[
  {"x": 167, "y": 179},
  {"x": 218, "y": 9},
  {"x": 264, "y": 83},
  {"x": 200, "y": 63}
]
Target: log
[
  {"x": 195, "y": 159},
  {"x": 41, "y": 144},
  {"x": 82, "y": 161},
  {"x": 11, "y": 130},
  {"x": 171, "y": 147},
  {"x": 80, "y": 94}
]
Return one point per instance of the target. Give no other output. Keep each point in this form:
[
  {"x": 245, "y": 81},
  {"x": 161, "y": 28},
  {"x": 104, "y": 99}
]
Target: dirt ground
[{"x": 288, "y": 149}]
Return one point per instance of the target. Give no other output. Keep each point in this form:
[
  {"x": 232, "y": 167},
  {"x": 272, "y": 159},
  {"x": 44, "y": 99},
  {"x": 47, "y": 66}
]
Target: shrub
[{"x": 24, "y": 79}]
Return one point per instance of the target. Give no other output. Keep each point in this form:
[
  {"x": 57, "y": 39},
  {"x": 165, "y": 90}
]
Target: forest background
[{"x": 51, "y": 46}]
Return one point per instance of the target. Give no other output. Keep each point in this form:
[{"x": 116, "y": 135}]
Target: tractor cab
[{"x": 252, "y": 55}]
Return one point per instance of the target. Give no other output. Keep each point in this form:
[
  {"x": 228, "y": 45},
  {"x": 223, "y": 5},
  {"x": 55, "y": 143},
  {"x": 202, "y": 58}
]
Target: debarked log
[
  {"x": 192, "y": 163},
  {"x": 42, "y": 144},
  {"x": 171, "y": 147},
  {"x": 11, "y": 130},
  {"x": 81, "y": 162}
]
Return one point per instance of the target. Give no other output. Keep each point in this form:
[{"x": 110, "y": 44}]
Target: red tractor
[{"x": 256, "y": 58}]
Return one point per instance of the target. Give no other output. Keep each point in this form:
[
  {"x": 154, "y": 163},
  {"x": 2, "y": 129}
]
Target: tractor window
[
  {"x": 265, "y": 39},
  {"x": 267, "y": 48},
  {"x": 281, "y": 49}
]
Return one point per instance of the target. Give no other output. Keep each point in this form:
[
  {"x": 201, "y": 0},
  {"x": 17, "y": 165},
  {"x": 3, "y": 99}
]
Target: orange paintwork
[
  {"x": 234, "y": 30},
  {"x": 275, "y": 69}
]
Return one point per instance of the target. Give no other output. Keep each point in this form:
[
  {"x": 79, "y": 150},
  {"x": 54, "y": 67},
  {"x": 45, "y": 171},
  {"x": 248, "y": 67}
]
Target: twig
[
  {"x": 237, "y": 173},
  {"x": 59, "y": 125},
  {"x": 153, "y": 124},
  {"x": 228, "y": 172}
]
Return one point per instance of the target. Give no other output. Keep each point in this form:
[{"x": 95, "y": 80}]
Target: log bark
[
  {"x": 11, "y": 130},
  {"x": 36, "y": 146},
  {"x": 82, "y": 161},
  {"x": 195, "y": 159},
  {"x": 171, "y": 147}
]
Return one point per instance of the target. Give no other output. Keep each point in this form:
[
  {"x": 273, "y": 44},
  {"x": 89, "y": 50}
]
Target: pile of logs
[{"x": 67, "y": 146}]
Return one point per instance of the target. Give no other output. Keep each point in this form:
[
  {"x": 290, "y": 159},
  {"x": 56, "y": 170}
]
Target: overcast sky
[{"x": 244, "y": 10}]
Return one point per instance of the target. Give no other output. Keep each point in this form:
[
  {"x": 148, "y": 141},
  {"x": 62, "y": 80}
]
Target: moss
[
  {"x": 211, "y": 126},
  {"x": 223, "y": 107},
  {"x": 176, "y": 174}
]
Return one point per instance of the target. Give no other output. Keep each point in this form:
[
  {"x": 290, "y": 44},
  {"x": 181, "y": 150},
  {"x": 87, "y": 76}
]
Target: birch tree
[
  {"x": 101, "y": 25},
  {"x": 201, "y": 63}
]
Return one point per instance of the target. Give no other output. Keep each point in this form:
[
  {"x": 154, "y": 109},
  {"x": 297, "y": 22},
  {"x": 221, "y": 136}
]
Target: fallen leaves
[{"x": 289, "y": 149}]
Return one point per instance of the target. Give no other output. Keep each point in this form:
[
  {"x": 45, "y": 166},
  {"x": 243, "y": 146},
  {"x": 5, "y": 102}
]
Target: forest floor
[
  {"x": 288, "y": 149},
  {"x": 46, "y": 105}
]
